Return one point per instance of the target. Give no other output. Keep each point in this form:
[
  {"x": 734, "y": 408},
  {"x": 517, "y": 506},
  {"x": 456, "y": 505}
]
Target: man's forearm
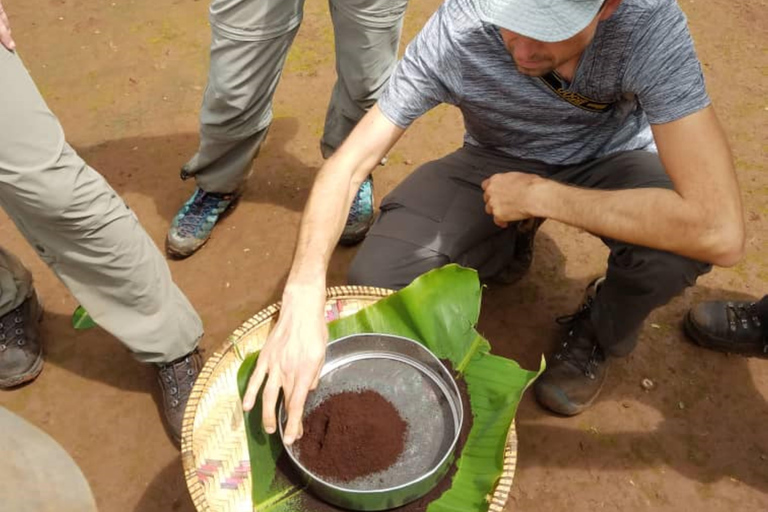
[
  {"x": 329, "y": 202},
  {"x": 651, "y": 217}
]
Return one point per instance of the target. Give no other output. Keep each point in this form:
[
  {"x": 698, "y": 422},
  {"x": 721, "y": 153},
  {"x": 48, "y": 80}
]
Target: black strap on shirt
[{"x": 554, "y": 82}]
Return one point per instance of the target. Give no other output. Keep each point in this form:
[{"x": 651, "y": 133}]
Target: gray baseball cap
[{"x": 544, "y": 20}]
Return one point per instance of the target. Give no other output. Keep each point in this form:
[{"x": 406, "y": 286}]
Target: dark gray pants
[{"x": 437, "y": 216}]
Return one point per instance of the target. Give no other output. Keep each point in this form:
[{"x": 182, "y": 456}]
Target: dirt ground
[{"x": 126, "y": 78}]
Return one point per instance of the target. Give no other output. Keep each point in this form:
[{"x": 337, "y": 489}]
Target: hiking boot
[
  {"x": 360, "y": 216},
  {"x": 192, "y": 226},
  {"x": 576, "y": 373},
  {"x": 523, "y": 256},
  {"x": 728, "y": 327},
  {"x": 21, "y": 353},
  {"x": 176, "y": 381}
]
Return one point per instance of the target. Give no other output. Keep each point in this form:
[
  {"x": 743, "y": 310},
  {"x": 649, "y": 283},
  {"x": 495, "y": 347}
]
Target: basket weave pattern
[{"x": 214, "y": 449}]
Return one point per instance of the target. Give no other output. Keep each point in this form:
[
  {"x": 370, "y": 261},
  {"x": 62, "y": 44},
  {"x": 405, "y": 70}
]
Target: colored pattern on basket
[
  {"x": 232, "y": 480},
  {"x": 335, "y": 309},
  {"x": 238, "y": 476},
  {"x": 208, "y": 469}
]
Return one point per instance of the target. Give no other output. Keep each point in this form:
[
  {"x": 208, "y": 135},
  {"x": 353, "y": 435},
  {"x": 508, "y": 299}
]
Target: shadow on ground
[
  {"x": 279, "y": 177},
  {"x": 704, "y": 419}
]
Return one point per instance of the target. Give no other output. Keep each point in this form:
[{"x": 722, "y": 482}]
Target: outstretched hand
[
  {"x": 291, "y": 360},
  {"x": 5, "y": 30}
]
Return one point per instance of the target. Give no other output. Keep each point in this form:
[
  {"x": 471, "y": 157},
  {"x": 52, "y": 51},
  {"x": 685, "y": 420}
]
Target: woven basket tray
[{"x": 214, "y": 449}]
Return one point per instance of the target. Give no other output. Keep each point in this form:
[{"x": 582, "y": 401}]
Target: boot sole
[
  {"x": 553, "y": 399},
  {"x": 713, "y": 343},
  {"x": 27, "y": 376},
  {"x": 180, "y": 254},
  {"x": 37, "y": 366}
]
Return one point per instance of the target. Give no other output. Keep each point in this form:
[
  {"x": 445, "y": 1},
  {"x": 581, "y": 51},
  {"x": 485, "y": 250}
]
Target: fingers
[
  {"x": 269, "y": 402},
  {"x": 254, "y": 384},
  {"x": 293, "y": 429},
  {"x": 5, "y": 31}
]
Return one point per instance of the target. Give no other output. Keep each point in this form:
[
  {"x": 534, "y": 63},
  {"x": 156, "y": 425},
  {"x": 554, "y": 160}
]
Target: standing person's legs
[
  {"x": 249, "y": 45},
  {"x": 37, "y": 475},
  {"x": 367, "y": 36},
  {"x": 437, "y": 216},
  {"x": 638, "y": 280},
  {"x": 15, "y": 282},
  {"x": 90, "y": 238}
]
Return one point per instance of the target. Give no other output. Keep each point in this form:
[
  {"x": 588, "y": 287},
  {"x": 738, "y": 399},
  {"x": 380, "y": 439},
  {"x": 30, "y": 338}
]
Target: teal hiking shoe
[
  {"x": 192, "y": 226},
  {"x": 360, "y": 216}
]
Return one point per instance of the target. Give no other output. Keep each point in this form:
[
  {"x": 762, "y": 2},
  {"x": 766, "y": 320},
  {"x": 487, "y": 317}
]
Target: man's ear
[{"x": 607, "y": 10}]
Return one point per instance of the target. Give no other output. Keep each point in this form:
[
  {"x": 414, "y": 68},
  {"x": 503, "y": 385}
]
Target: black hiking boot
[
  {"x": 728, "y": 326},
  {"x": 176, "y": 381},
  {"x": 523, "y": 257},
  {"x": 21, "y": 353},
  {"x": 576, "y": 373}
]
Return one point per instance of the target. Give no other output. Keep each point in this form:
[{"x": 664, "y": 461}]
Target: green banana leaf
[
  {"x": 81, "y": 320},
  {"x": 439, "y": 309}
]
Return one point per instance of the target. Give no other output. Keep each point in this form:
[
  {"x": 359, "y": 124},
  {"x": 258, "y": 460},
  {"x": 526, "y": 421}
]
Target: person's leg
[
  {"x": 437, "y": 216},
  {"x": 90, "y": 238},
  {"x": 249, "y": 45},
  {"x": 638, "y": 280},
  {"x": 367, "y": 36},
  {"x": 731, "y": 326},
  {"x": 15, "y": 282},
  {"x": 37, "y": 475},
  {"x": 21, "y": 354}
]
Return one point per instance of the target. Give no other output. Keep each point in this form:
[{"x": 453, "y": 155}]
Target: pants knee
[{"x": 390, "y": 263}]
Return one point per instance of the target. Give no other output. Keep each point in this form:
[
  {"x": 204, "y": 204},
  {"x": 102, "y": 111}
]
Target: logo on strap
[{"x": 554, "y": 82}]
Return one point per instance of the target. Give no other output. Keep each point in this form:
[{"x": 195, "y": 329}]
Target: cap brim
[{"x": 549, "y": 22}]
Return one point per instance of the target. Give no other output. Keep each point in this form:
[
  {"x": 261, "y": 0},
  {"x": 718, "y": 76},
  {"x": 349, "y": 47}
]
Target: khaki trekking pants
[
  {"x": 36, "y": 474},
  {"x": 83, "y": 230},
  {"x": 250, "y": 42}
]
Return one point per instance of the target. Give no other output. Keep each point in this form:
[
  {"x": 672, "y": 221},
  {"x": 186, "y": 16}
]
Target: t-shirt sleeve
[
  {"x": 428, "y": 74},
  {"x": 663, "y": 70}
]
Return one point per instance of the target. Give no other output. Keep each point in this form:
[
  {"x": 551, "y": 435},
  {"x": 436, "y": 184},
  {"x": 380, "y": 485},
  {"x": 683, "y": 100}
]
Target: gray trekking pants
[
  {"x": 83, "y": 230},
  {"x": 36, "y": 474},
  {"x": 437, "y": 216},
  {"x": 250, "y": 42}
]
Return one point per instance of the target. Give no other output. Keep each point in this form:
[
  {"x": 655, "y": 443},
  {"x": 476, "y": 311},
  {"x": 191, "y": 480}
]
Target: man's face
[{"x": 537, "y": 58}]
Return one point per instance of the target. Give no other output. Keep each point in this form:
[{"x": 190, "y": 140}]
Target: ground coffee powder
[
  {"x": 350, "y": 435},
  {"x": 309, "y": 503}
]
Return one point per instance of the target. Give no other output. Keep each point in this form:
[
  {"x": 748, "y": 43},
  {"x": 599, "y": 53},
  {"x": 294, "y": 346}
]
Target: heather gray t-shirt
[{"x": 642, "y": 60}]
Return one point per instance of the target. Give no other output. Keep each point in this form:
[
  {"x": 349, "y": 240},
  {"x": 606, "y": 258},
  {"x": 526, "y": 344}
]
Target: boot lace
[
  {"x": 178, "y": 378},
  {"x": 577, "y": 348},
  {"x": 744, "y": 316},
  {"x": 12, "y": 329},
  {"x": 204, "y": 207}
]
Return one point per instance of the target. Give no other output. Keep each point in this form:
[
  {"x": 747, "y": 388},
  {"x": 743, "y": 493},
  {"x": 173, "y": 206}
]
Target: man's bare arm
[
  {"x": 295, "y": 350},
  {"x": 701, "y": 219}
]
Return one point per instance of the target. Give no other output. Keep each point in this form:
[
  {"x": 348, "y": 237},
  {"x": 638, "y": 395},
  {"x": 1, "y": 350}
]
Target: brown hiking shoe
[
  {"x": 21, "y": 353},
  {"x": 176, "y": 380},
  {"x": 575, "y": 376}
]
